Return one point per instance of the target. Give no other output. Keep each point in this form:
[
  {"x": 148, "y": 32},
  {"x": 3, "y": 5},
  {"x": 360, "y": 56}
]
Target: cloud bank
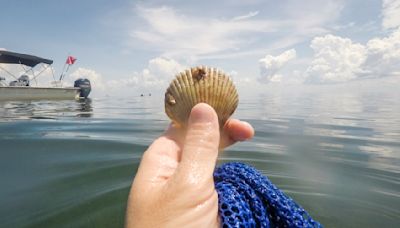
[
  {"x": 157, "y": 74},
  {"x": 383, "y": 55},
  {"x": 336, "y": 59}
]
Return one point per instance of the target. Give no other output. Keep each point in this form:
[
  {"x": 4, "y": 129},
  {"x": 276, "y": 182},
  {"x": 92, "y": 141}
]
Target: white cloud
[
  {"x": 246, "y": 16},
  {"x": 390, "y": 14},
  {"x": 383, "y": 55},
  {"x": 270, "y": 66},
  {"x": 164, "y": 68},
  {"x": 336, "y": 59},
  {"x": 158, "y": 73},
  {"x": 180, "y": 36}
]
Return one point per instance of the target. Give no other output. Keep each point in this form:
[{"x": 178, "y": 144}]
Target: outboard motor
[{"x": 84, "y": 85}]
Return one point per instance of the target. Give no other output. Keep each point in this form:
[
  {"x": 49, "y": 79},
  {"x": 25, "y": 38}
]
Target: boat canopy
[{"x": 18, "y": 58}]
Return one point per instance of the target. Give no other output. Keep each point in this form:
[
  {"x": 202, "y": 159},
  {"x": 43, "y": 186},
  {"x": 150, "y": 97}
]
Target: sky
[{"x": 134, "y": 47}]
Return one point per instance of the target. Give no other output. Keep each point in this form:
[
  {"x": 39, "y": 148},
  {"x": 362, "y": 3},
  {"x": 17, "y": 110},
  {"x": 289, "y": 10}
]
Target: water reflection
[
  {"x": 335, "y": 153},
  {"x": 45, "y": 109},
  {"x": 337, "y": 149},
  {"x": 85, "y": 108}
]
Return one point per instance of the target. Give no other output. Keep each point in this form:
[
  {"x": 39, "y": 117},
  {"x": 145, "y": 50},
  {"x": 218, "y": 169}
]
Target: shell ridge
[
  {"x": 188, "y": 91},
  {"x": 182, "y": 83},
  {"x": 226, "y": 95},
  {"x": 219, "y": 90}
]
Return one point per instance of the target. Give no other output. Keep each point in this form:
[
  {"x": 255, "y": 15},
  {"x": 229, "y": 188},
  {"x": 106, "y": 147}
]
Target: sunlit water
[{"x": 70, "y": 163}]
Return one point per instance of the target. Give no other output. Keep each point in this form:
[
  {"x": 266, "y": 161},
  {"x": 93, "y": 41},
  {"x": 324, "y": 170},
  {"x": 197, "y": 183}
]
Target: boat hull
[{"x": 35, "y": 93}]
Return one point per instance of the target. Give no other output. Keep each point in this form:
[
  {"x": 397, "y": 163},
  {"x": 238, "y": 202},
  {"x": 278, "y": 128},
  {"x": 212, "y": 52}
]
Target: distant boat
[{"x": 21, "y": 88}]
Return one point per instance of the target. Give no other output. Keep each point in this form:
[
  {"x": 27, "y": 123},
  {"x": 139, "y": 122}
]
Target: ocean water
[{"x": 71, "y": 163}]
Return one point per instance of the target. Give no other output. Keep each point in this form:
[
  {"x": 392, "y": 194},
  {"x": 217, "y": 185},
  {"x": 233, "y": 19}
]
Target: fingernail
[{"x": 202, "y": 113}]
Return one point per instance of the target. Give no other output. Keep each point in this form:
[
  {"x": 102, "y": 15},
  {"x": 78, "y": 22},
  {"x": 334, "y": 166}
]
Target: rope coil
[{"x": 249, "y": 199}]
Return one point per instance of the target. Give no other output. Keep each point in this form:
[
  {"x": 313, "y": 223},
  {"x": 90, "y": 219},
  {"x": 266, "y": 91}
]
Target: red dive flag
[{"x": 70, "y": 60}]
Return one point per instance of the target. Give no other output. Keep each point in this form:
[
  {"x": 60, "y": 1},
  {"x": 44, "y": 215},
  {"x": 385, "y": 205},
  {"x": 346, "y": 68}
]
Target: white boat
[
  {"x": 35, "y": 93},
  {"x": 21, "y": 88}
]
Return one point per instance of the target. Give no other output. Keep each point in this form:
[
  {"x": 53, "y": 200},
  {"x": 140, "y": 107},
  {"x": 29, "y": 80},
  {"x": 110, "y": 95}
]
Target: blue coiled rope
[{"x": 249, "y": 199}]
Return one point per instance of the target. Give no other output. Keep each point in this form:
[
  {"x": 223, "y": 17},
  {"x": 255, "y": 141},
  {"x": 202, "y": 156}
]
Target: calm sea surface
[{"x": 71, "y": 163}]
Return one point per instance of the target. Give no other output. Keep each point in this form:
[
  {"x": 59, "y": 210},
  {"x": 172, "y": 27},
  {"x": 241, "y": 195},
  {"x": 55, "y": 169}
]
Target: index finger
[{"x": 235, "y": 130}]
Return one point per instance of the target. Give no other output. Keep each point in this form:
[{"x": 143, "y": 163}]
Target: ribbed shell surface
[{"x": 197, "y": 85}]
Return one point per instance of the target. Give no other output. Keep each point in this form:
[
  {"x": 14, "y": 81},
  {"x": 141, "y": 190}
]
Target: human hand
[{"x": 174, "y": 184}]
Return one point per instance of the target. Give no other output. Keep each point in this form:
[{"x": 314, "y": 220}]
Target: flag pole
[
  {"x": 62, "y": 72},
  {"x": 66, "y": 71}
]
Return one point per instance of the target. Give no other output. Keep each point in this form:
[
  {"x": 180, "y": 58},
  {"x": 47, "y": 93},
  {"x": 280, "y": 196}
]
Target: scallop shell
[{"x": 197, "y": 85}]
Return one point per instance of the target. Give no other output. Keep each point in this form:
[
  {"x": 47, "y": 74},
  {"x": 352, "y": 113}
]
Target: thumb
[{"x": 200, "y": 148}]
